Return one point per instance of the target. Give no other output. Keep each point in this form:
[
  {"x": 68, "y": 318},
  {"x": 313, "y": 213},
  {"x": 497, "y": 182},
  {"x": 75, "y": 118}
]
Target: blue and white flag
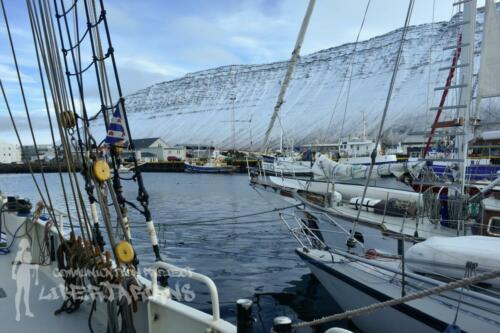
[{"x": 117, "y": 134}]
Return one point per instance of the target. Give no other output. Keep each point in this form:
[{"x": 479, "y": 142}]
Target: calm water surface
[{"x": 250, "y": 257}]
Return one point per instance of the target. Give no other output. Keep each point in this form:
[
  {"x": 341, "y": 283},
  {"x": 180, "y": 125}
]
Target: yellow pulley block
[
  {"x": 68, "y": 119},
  {"x": 101, "y": 170},
  {"x": 124, "y": 252}
]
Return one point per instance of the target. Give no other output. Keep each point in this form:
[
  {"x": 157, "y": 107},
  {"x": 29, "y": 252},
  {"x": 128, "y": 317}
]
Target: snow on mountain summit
[{"x": 197, "y": 107}]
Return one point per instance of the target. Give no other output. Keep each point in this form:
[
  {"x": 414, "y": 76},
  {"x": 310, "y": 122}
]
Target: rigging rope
[
  {"x": 384, "y": 114},
  {"x": 348, "y": 69},
  {"x": 430, "y": 65},
  {"x": 7, "y": 104},
  {"x": 48, "y": 49},
  {"x": 408, "y": 298},
  {"x": 46, "y": 103},
  {"x": 351, "y": 69}
]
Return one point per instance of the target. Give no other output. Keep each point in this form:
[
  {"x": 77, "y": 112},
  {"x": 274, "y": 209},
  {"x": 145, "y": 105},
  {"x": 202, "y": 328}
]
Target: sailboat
[
  {"x": 406, "y": 287},
  {"x": 86, "y": 272}
]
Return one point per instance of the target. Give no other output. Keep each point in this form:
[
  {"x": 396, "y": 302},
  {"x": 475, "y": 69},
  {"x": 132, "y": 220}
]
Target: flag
[{"x": 117, "y": 134}]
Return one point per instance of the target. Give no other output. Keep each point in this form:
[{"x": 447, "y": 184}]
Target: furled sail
[
  {"x": 326, "y": 168},
  {"x": 489, "y": 72}
]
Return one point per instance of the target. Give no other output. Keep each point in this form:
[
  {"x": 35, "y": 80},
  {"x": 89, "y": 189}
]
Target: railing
[
  {"x": 306, "y": 234},
  {"x": 214, "y": 296}
]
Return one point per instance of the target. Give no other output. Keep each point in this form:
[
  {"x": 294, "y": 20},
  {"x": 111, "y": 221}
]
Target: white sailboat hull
[
  {"x": 354, "y": 285},
  {"x": 448, "y": 256}
]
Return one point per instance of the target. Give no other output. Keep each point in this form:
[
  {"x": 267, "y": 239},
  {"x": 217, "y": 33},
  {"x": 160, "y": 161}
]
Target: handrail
[{"x": 214, "y": 296}]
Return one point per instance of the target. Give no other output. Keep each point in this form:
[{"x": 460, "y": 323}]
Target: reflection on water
[{"x": 250, "y": 257}]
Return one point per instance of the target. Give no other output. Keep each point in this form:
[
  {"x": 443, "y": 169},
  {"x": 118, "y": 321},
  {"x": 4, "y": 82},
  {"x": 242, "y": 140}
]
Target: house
[
  {"x": 176, "y": 152},
  {"x": 147, "y": 147},
  {"x": 9, "y": 153},
  {"x": 153, "y": 146}
]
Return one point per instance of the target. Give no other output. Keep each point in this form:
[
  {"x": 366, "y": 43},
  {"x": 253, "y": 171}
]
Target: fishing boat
[
  {"x": 285, "y": 165},
  {"x": 216, "y": 163},
  {"x": 208, "y": 167}
]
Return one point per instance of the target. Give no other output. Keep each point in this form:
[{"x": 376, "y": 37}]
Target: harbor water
[{"x": 198, "y": 228}]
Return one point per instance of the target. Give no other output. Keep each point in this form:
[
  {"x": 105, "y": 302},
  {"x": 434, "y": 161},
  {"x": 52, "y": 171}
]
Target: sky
[{"x": 159, "y": 40}]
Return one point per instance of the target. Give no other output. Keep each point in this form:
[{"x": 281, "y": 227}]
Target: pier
[{"x": 167, "y": 166}]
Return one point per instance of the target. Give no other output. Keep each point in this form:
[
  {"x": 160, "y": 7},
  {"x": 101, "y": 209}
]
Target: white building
[
  {"x": 9, "y": 153},
  {"x": 45, "y": 152},
  {"x": 350, "y": 148},
  {"x": 177, "y": 152},
  {"x": 147, "y": 147}
]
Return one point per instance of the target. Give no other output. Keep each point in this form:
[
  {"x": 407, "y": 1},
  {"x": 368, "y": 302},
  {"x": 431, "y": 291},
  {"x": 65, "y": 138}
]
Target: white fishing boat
[
  {"x": 208, "y": 167},
  {"x": 285, "y": 165}
]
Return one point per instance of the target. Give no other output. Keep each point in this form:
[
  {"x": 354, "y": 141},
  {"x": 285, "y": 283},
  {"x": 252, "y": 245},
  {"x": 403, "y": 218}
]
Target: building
[
  {"x": 413, "y": 145},
  {"x": 45, "y": 152},
  {"x": 149, "y": 148},
  {"x": 147, "y": 157},
  {"x": 9, "y": 153},
  {"x": 199, "y": 151},
  {"x": 176, "y": 152},
  {"x": 350, "y": 148}
]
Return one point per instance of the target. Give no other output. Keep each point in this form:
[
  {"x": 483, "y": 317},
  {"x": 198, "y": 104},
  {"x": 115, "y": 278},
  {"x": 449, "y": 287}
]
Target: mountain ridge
[{"x": 197, "y": 107}]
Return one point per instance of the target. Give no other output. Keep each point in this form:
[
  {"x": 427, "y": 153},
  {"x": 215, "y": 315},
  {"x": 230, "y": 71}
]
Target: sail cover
[
  {"x": 326, "y": 168},
  {"x": 489, "y": 72}
]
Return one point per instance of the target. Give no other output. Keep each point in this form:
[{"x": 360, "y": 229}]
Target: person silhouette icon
[{"x": 21, "y": 273}]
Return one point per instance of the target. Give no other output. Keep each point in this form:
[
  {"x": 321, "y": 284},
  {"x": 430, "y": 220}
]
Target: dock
[{"x": 167, "y": 166}]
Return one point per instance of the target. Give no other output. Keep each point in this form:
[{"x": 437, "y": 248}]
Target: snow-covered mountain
[{"x": 197, "y": 107}]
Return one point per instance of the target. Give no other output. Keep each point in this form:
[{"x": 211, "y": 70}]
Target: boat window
[{"x": 494, "y": 226}]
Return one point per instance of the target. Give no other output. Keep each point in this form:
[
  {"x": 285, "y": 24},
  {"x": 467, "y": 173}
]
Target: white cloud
[{"x": 9, "y": 74}]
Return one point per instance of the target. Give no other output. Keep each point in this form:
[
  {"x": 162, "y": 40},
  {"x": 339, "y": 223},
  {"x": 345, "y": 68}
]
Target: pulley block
[{"x": 101, "y": 170}]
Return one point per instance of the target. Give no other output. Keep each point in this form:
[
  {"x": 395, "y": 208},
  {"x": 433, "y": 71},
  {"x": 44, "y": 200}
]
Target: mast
[
  {"x": 466, "y": 75},
  {"x": 233, "y": 124},
  {"x": 281, "y": 140},
  {"x": 289, "y": 72},
  {"x": 364, "y": 127}
]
